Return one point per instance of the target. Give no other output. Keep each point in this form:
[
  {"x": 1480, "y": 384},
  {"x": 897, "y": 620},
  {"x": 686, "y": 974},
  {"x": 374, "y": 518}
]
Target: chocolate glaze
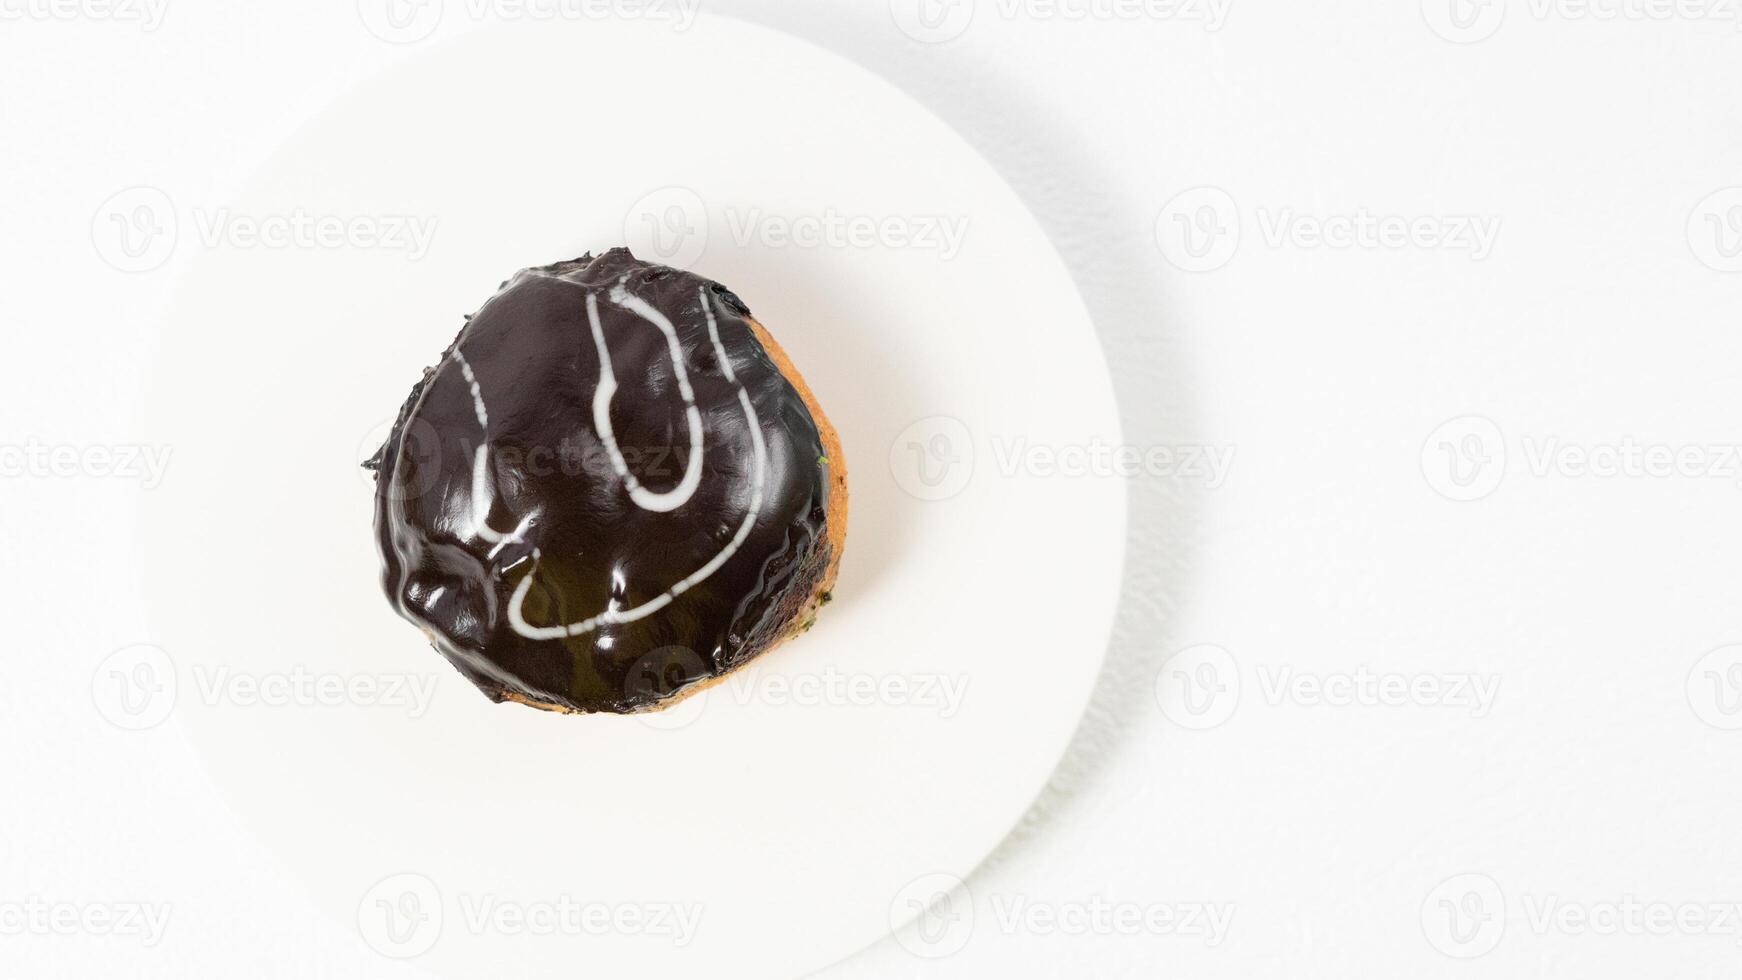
[{"x": 559, "y": 511}]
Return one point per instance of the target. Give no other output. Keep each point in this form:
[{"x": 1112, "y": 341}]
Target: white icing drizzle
[
  {"x": 478, "y": 408},
  {"x": 692, "y": 475},
  {"x": 601, "y": 413},
  {"x": 482, "y": 495}
]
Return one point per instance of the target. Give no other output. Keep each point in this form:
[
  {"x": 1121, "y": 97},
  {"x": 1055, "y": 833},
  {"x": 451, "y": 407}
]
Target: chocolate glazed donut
[{"x": 612, "y": 490}]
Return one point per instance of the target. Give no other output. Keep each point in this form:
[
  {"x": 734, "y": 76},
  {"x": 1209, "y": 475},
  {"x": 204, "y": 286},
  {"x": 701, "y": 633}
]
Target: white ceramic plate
[{"x": 790, "y": 808}]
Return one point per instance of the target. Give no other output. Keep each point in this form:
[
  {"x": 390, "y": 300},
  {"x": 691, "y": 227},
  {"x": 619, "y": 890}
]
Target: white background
[{"x": 1363, "y": 390}]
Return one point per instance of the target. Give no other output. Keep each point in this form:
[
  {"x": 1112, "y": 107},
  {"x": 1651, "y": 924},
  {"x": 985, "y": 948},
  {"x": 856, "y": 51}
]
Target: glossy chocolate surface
[{"x": 590, "y": 567}]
